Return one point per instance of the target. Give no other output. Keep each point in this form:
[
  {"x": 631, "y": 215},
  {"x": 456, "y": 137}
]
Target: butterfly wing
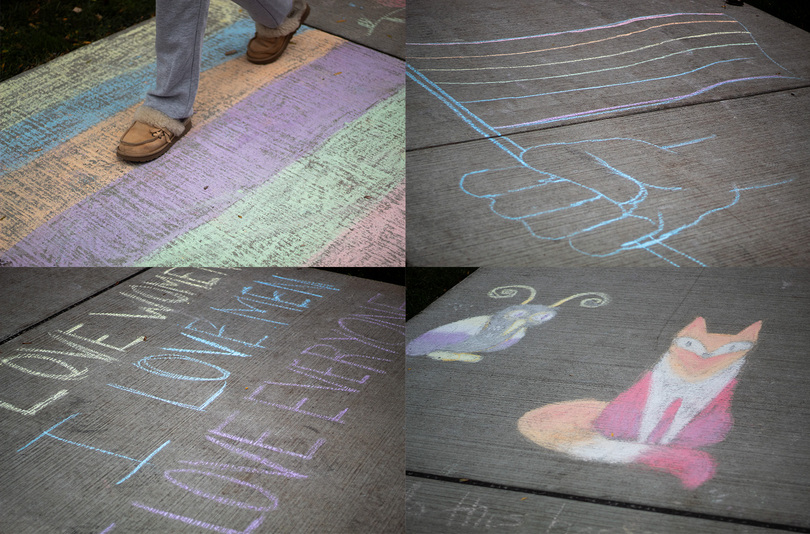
[{"x": 446, "y": 335}]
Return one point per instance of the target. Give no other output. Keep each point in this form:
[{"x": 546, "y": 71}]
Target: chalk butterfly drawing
[
  {"x": 681, "y": 404},
  {"x": 462, "y": 340}
]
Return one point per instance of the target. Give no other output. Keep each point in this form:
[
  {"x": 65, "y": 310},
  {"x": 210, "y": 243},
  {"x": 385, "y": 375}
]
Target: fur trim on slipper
[
  {"x": 158, "y": 119},
  {"x": 290, "y": 24}
]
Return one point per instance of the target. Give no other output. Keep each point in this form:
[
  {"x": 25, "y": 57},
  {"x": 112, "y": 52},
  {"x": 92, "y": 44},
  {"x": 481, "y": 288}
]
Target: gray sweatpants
[{"x": 180, "y": 29}]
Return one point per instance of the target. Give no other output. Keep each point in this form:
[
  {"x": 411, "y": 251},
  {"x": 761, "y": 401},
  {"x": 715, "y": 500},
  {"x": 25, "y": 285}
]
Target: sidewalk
[
  {"x": 296, "y": 163},
  {"x": 508, "y": 443},
  {"x": 628, "y": 134},
  {"x": 200, "y": 400}
]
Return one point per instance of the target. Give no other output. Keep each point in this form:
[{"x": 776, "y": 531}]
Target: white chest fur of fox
[{"x": 682, "y": 404}]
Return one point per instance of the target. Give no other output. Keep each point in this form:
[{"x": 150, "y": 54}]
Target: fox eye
[
  {"x": 736, "y": 346},
  {"x": 690, "y": 344}
]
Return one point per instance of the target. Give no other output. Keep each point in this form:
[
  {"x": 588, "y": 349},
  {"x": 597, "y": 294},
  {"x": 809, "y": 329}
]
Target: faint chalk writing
[{"x": 372, "y": 25}]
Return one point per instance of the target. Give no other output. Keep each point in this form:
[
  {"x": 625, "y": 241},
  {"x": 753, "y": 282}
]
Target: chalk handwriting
[
  {"x": 372, "y": 25},
  {"x": 140, "y": 463}
]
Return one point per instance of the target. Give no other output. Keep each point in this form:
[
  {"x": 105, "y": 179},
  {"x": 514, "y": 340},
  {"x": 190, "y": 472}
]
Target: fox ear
[
  {"x": 751, "y": 332},
  {"x": 698, "y": 325}
]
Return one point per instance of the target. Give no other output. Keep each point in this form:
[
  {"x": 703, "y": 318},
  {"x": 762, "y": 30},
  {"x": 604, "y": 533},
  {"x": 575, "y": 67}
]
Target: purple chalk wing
[
  {"x": 446, "y": 335},
  {"x": 509, "y": 342}
]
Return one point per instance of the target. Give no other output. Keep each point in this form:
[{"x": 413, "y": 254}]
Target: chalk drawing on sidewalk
[
  {"x": 388, "y": 17},
  {"x": 462, "y": 340},
  {"x": 661, "y": 421},
  {"x": 499, "y": 85}
]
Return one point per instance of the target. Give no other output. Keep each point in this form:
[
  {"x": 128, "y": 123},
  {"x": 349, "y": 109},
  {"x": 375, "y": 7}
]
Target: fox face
[{"x": 696, "y": 355}]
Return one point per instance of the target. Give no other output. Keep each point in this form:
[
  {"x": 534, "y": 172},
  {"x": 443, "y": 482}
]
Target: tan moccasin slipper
[
  {"x": 270, "y": 43},
  {"x": 151, "y": 135}
]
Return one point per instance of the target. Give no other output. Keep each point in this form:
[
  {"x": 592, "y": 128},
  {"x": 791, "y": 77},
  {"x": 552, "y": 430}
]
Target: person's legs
[
  {"x": 165, "y": 115},
  {"x": 180, "y": 26}
]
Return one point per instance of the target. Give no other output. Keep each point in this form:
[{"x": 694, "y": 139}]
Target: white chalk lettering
[
  {"x": 73, "y": 373},
  {"x": 98, "y": 341},
  {"x": 160, "y": 295},
  {"x": 152, "y": 310},
  {"x": 36, "y": 407}
]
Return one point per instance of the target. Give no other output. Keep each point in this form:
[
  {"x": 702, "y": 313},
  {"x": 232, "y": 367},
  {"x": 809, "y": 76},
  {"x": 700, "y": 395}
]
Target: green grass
[{"x": 35, "y": 32}]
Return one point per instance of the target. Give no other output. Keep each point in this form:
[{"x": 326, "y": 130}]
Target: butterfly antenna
[
  {"x": 506, "y": 292},
  {"x": 593, "y": 300}
]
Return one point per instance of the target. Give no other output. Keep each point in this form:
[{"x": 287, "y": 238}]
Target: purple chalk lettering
[
  {"x": 296, "y": 365},
  {"x": 260, "y": 442},
  {"x": 376, "y": 301},
  {"x": 339, "y": 356},
  {"x": 256, "y": 523},
  {"x": 278, "y": 469},
  {"x": 222, "y": 500},
  {"x": 297, "y": 407}
]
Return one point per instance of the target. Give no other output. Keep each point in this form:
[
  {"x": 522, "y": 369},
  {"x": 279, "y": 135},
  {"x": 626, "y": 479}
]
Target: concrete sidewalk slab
[
  {"x": 434, "y": 506},
  {"x": 56, "y": 290},
  {"x": 377, "y": 24},
  {"x": 717, "y": 184},
  {"x": 283, "y": 177},
  {"x": 468, "y": 419},
  {"x": 192, "y": 400},
  {"x": 503, "y": 116}
]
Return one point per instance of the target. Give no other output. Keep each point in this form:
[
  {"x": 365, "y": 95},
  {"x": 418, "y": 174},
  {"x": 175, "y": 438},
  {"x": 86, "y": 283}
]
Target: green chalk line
[
  {"x": 307, "y": 204},
  {"x": 36, "y": 90}
]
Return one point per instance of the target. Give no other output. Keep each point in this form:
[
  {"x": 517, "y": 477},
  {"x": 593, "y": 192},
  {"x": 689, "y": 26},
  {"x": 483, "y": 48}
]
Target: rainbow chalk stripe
[{"x": 296, "y": 163}]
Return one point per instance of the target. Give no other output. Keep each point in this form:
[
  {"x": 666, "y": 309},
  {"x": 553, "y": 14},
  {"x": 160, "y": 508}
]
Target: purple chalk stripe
[{"x": 246, "y": 147}]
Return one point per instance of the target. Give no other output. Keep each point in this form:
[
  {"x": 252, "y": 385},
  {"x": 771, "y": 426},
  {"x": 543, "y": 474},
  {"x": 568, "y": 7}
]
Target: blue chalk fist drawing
[
  {"x": 462, "y": 340},
  {"x": 601, "y": 196},
  {"x": 573, "y": 192}
]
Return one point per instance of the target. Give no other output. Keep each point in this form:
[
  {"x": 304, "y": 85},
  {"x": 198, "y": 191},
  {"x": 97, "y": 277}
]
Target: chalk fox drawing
[{"x": 682, "y": 404}]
